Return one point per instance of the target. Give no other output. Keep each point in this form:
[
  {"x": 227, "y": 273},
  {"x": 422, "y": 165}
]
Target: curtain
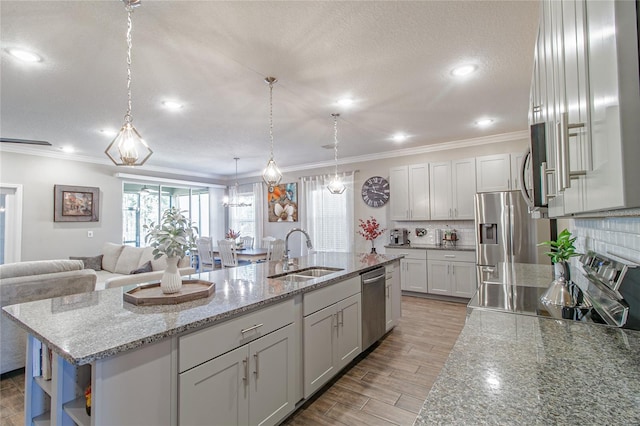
[
  {"x": 328, "y": 217},
  {"x": 259, "y": 203}
]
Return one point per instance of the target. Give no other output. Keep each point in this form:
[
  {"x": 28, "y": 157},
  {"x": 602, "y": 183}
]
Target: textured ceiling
[{"x": 393, "y": 58}]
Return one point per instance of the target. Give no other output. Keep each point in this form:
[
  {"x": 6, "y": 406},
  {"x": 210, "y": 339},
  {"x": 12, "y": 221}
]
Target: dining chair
[
  {"x": 205, "y": 257},
  {"x": 275, "y": 250},
  {"x": 228, "y": 254},
  {"x": 247, "y": 242}
]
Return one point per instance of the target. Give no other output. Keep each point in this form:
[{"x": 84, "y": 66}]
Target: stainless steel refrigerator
[{"x": 506, "y": 234}]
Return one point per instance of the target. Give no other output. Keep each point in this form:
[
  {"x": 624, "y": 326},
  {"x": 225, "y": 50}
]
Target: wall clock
[{"x": 375, "y": 191}]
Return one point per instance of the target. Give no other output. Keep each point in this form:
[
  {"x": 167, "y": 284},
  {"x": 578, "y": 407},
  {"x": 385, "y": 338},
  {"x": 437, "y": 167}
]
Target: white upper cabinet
[
  {"x": 585, "y": 89},
  {"x": 452, "y": 186},
  {"x": 493, "y": 173},
  {"x": 409, "y": 187}
]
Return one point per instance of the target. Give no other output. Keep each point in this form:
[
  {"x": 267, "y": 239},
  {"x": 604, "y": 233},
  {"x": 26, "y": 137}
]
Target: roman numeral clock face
[{"x": 375, "y": 191}]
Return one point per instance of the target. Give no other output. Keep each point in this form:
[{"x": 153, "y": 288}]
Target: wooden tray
[{"x": 151, "y": 294}]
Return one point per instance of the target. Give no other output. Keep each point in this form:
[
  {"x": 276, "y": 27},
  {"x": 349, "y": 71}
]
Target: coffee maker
[{"x": 399, "y": 237}]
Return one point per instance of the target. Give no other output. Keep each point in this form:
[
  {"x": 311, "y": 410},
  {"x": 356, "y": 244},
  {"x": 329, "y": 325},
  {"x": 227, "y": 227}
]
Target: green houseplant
[
  {"x": 561, "y": 250},
  {"x": 173, "y": 237}
]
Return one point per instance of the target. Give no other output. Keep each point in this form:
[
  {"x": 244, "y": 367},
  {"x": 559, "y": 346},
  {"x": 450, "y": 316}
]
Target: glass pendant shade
[
  {"x": 128, "y": 148},
  {"x": 271, "y": 174},
  {"x": 234, "y": 191},
  {"x": 336, "y": 186}
]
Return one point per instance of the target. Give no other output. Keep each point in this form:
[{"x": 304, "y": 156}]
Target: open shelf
[
  {"x": 45, "y": 385},
  {"x": 76, "y": 410},
  {"x": 43, "y": 419}
]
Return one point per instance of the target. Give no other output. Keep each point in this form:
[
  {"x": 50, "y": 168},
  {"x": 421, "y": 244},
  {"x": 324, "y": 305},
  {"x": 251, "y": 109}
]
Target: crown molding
[
  {"x": 444, "y": 146},
  {"x": 57, "y": 154}
]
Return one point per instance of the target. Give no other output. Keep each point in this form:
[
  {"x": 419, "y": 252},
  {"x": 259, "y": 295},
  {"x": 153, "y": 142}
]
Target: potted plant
[
  {"x": 370, "y": 230},
  {"x": 562, "y": 249},
  {"x": 173, "y": 237}
]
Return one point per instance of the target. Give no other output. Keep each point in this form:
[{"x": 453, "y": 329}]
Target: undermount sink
[{"x": 306, "y": 273}]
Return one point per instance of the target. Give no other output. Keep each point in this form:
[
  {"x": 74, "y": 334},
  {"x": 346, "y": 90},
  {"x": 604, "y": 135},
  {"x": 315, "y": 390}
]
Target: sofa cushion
[
  {"x": 110, "y": 254},
  {"x": 39, "y": 267},
  {"x": 128, "y": 260},
  {"x": 94, "y": 262},
  {"x": 142, "y": 269},
  {"x": 147, "y": 256}
]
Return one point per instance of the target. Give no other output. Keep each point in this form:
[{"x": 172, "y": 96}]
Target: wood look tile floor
[
  {"x": 388, "y": 385},
  {"x": 385, "y": 386}
]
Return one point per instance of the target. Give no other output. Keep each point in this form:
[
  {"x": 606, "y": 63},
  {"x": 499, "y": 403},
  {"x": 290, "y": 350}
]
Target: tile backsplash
[
  {"x": 464, "y": 229},
  {"x": 616, "y": 235}
]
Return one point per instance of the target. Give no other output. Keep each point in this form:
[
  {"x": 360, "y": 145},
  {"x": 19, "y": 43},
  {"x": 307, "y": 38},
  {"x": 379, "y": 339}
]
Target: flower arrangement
[
  {"x": 173, "y": 236},
  {"x": 370, "y": 229},
  {"x": 232, "y": 235}
]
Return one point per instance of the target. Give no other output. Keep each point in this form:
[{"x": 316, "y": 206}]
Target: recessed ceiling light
[
  {"x": 24, "y": 55},
  {"x": 463, "y": 70},
  {"x": 345, "y": 102},
  {"x": 68, "y": 149},
  {"x": 400, "y": 137},
  {"x": 172, "y": 104},
  {"x": 484, "y": 122}
]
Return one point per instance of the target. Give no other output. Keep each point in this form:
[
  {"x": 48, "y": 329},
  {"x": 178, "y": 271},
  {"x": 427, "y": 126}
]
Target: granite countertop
[
  {"x": 86, "y": 327},
  {"x": 458, "y": 247},
  {"x": 516, "y": 369}
]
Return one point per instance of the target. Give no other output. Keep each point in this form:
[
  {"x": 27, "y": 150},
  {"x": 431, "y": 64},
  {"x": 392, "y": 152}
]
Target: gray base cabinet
[
  {"x": 452, "y": 273},
  {"x": 249, "y": 385}
]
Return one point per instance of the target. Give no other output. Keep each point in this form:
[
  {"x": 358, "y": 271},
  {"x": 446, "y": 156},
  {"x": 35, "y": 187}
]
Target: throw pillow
[
  {"x": 144, "y": 268},
  {"x": 94, "y": 262}
]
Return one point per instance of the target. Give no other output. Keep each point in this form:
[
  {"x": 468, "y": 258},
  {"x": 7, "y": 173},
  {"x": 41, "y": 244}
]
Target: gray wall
[{"x": 42, "y": 238}]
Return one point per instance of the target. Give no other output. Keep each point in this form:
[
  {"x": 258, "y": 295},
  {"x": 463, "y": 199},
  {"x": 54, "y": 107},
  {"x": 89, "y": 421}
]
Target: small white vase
[{"x": 171, "y": 281}]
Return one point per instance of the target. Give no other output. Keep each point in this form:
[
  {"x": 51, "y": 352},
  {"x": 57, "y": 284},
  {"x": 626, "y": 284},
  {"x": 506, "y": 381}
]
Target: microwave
[{"x": 531, "y": 171}]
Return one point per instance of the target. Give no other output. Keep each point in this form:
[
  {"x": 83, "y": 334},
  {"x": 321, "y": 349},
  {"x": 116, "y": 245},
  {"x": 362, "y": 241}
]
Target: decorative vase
[
  {"x": 373, "y": 247},
  {"x": 171, "y": 281},
  {"x": 559, "y": 292}
]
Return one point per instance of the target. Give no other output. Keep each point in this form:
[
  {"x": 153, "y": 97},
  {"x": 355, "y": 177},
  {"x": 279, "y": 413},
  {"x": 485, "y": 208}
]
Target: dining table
[{"x": 251, "y": 254}]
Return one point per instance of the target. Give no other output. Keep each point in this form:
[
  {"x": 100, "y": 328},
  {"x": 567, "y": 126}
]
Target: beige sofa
[
  {"x": 36, "y": 280},
  {"x": 119, "y": 261}
]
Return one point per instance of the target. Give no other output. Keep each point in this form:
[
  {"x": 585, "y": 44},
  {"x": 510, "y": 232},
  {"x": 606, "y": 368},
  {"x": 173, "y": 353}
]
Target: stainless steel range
[{"x": 606, "y": 290}]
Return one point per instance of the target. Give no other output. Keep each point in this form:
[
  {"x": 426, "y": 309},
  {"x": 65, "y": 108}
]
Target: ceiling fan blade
[{"x": 25, "y": 141}]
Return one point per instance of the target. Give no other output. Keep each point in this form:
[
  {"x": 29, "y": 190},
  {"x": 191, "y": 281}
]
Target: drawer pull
[
  {"x": 246, "y": 330},
  {"x": 449, "y": 255}
]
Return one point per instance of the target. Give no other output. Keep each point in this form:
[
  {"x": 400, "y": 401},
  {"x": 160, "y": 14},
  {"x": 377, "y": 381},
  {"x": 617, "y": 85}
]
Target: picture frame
[
  {"x": 282, "y": 202},
  {"x": 76, "y": 203}
]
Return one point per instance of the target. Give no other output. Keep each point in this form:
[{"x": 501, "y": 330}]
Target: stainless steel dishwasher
[{"x": 373, "y": 306}]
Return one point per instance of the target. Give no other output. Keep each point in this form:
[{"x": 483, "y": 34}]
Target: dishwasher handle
[{"x": 374, "y": 279}]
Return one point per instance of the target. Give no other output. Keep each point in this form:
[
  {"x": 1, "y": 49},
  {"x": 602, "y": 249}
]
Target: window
[
  {"x": 329, "y": 217},
  {"x": 243, "y": 219},
  {"x": 143, "y": 204}
]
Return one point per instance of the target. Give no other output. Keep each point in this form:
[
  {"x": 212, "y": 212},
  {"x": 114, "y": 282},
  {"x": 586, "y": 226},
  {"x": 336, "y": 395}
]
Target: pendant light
[
  {"x": 234, "y": 200},
  {"x": 128, "y": 148},
  {"x": 335, "y": 185},
  {"x": 271, "y": 174}
]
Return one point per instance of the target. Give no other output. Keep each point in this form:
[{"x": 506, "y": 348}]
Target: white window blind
[{"x": 328, "y": 217}]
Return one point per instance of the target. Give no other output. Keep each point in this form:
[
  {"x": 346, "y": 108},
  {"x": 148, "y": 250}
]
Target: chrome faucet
[{"x": 288, "y": 261}]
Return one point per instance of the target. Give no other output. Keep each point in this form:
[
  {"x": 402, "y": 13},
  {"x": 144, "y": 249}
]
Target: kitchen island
[
  {"x": 512, "y": 368},
  {"x": 140, "y": 359}
]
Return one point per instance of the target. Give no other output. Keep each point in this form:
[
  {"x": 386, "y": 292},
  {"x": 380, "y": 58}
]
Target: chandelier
[
  {"x": 128, "y": 148},
  {"x": 234, "y": 192},
  {"x": 271, "y": 174},
  {"x": 335, "y": 185}
]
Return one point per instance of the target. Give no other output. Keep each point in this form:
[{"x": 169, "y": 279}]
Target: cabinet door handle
[
  {"x": 448, "y": 269},
  {"x": 245, "y": 363},
  {"x": 544, "y": 172},
  {"x": 567, "y": 174},
  {"x": 255, "y": 357},
  {"x": 453, "y": 270},
  {"x": 455, "y": 212},
  {"x": 246, "y": 330},
  {"x": 341, "y": 312},
  {"x": 335, "y": 325},
  {"x": 388, "y": 291}
]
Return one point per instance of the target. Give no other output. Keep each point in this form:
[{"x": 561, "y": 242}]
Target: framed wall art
[
  {"x": 282, "y": 202},
  {"x": 75, "y": 203}
]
